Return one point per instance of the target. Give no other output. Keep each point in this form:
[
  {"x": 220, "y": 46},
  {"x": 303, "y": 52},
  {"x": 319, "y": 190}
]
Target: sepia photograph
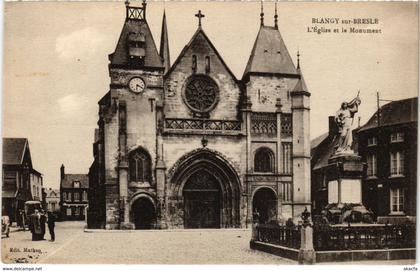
[{"x": 209, "y": 133}]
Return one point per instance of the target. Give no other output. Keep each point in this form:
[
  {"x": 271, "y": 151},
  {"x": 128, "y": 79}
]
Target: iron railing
[
  {"x": 361, "y": 237},
  {"x": 288, "y": 236}
]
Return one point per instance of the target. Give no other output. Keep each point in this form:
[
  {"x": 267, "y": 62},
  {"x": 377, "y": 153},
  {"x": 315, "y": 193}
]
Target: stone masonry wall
[
  {"x": 174, "y": 85},
  {"x": 264, "y": 90}
]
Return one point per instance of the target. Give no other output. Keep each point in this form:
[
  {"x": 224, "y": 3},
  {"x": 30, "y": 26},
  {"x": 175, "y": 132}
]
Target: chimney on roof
[
  {"x": 332, "y": 126},
  {"x": 62, "y": 172}
]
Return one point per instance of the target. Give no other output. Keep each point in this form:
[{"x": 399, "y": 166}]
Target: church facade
[{"x": 189, "y": 145}]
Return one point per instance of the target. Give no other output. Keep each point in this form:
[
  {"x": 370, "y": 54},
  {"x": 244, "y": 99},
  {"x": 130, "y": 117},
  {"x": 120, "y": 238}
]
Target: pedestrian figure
[
  {"x": 35, "y": 225},
  {"x": 51, "y": 225},
  {"x": 22, "y": 219},
  {"x": 43, "y": 220}
]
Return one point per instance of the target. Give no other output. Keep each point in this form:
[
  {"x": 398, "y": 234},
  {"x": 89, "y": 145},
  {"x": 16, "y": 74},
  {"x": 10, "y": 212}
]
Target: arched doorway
[
  {"x": 143, "y": 214},
  {"x": 204, "y": 180},
  {"x": 202, "y": 201},
  {"x": 264, "y": 205}
]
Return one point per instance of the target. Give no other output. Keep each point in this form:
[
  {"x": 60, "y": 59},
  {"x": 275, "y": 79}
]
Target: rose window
[{"x": 201, "y": 94}]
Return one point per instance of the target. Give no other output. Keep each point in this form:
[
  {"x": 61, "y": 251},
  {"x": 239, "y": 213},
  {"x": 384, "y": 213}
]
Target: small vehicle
[
  {"x": 5, "y": 225},
  {"x": 30, "y": 207}
]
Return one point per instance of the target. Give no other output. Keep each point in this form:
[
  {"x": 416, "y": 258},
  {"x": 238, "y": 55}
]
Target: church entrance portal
[
  {"x": 202, "y": 201},
  {"x": 264, "y": 205},
  {"x": 205, "y": 191},
  {"x": 143, "y": 214}
]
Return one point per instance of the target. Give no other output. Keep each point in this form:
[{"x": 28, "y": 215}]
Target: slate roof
[
  {"x": 120, "y": 55},
  {"x": 269, "y": 54},
  {"x": 301, "y": 85},
  {"x": 14, "y": 150},
  {"x": 69, "y": 179},
  {"x": 324, "y": 152},
  {"x": 317, "y": 140},
  {"x": 396, "y": 112}
]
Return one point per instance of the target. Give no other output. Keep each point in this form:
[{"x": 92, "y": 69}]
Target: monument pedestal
[{"x": 344, "y": 176}]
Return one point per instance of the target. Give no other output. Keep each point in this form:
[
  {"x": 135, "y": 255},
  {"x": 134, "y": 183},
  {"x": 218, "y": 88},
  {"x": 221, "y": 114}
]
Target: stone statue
[{"x": 344, "y": 119}]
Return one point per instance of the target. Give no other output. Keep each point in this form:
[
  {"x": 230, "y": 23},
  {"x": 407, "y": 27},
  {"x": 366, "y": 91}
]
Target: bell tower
[{"x": 132, "y": 109}]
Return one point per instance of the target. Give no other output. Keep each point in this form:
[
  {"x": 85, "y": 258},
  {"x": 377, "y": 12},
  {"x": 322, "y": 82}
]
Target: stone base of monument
[{"x": 344, "y": 175}]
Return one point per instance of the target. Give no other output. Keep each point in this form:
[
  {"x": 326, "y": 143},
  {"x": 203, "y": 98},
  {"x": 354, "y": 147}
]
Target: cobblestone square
[{"x": 75, "y": 246}]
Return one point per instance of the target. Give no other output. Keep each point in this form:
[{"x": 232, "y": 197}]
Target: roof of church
[
  {"x": 120, "y": 55},
  {"x": 396, "y": 112},
  {"x": 269, "y": 54},
  {"x": 196, "y": 35},
  {"x": 301, "y": 85},
  {"x": 14, "y": 150},
  {"x": 69, "y": 179}
]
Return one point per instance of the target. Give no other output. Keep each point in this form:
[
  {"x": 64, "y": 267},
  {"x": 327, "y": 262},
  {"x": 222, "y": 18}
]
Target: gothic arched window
[
  {"x": 194, "y": 63},
  {"x": 140, "y": 166},
  {"x": 264, "y": 160},
  {"x": 207, "y": 64}
]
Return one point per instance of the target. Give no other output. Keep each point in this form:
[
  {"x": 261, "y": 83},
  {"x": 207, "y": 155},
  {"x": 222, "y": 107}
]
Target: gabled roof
[
  {"x": 269, "y": 54},
  {"x": 52, "y": 193},
  {"x": 14, "y": 150},
  {"x": 69, "y": 179},
  {"x": 198, "y": 34},
  {"x": 396, "y": 112},
  {"x": 120, "y": 55}
]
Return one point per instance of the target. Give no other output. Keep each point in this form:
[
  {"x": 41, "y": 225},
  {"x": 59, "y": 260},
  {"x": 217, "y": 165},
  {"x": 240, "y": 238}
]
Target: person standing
[
  {"x": 35, "y": 225},
  {"x": 43, "y": 220},
  {"x": 51, "y": 225},
  {"x": 22, "y": 219}
]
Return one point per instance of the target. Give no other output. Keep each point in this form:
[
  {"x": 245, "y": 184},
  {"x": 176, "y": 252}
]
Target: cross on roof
[{"x": 199, "y": 15}]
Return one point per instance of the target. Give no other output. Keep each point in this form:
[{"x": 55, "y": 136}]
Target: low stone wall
[
  {"x": 338, "y": 256},
  {"x": 361, "y": 255},
  {"x": 285, "y": 252}
]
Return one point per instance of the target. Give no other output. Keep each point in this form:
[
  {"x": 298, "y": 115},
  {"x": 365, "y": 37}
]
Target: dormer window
[{"x": 76, "y": 185}]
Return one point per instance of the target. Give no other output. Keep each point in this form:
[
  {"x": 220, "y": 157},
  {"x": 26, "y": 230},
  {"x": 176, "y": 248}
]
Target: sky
[{"x": 55, "y": 57}]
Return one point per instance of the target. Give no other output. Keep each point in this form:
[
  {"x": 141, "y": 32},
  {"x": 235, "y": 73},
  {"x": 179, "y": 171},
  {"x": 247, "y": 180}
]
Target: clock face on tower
[{"x": 136, "y": 85}]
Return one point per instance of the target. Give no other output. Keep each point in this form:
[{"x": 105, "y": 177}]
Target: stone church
[{"x": 188, "y": 145}]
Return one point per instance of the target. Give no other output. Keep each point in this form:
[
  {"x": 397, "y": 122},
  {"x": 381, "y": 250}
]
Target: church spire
[
  {"x": 298, "y": 61},
  {"x": 275, "y": 15},
  {"x": 164, "y": 45},
  {"x": 262, "y": 13},
  {"x": 301, "y": 85}
]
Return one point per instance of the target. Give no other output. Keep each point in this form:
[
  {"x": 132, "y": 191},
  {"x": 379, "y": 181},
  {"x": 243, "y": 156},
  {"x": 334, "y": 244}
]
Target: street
[{"x": 74, "y": 246}]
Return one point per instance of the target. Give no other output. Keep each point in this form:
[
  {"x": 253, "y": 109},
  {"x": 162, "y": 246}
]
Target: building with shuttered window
[{"x": 73, "y": 194}]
